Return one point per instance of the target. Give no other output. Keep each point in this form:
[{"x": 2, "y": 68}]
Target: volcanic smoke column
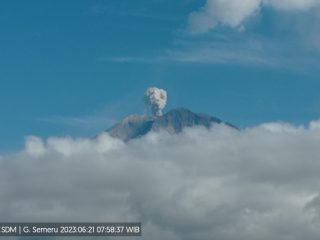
[{"x": 156, "y": 99}]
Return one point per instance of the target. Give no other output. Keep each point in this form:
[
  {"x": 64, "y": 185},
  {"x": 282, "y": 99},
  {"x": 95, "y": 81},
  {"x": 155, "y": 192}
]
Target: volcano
[{"x": 174, "y": 121}]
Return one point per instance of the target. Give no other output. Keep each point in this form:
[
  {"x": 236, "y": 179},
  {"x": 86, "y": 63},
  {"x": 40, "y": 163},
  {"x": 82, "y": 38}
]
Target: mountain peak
[{"x": 174, "y": 121}]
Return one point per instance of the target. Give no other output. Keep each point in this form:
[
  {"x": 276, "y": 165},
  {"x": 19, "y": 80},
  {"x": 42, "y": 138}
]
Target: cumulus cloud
[
  {"x": 231, "y": 13},
  {"x": 260, "y": 183},
  {"x": 234, "y": 13}
]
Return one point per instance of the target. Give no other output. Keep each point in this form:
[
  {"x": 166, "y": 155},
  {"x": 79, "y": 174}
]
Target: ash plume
[{"x": 156, "y": 99}]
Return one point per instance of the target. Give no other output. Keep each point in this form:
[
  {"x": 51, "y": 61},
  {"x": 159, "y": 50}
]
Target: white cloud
[
  {"x": 314, "y": 125},
  {"x": 259, "y": 183},
  {"x": 34, "y": 146},
  {"x": 292, "y": 5},
  {"x": 231, "y": 13},
  {"x": 234, "y": 13}
]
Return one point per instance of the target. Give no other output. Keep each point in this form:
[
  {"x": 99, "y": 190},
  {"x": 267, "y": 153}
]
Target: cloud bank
[
  {"x": 260, "y": 183},
  {"x": 234, "y": 13}
]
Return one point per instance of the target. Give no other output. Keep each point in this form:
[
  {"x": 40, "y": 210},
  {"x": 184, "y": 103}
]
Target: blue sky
[{"x": 76, "y": 67}]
